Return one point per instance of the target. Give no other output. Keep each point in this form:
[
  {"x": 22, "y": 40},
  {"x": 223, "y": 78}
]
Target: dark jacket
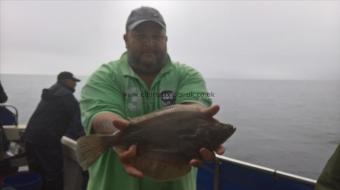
[
  {"x": 4, "y": 143},
  {"x": 57, "y": 112},
  {"x": 3, "y": 95}
]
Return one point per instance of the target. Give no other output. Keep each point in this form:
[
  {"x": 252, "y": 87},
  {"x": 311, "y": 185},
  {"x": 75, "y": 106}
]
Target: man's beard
[{"x": 148, "y": 63}]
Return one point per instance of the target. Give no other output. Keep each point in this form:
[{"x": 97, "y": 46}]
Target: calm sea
[{"x": 293, "y": 126}]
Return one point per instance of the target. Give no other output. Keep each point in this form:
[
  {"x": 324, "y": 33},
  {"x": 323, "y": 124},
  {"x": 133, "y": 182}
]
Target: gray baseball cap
[{"x": 143, "y": 14}]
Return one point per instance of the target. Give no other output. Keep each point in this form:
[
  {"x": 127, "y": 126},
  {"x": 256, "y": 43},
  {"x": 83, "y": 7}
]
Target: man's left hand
[{"x": 206, "y": 154}]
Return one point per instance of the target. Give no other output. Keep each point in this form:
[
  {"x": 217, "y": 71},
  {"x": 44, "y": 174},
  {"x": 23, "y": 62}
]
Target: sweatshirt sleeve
[
  {"x": 101, "y": 94},
  {"x": 330, "y": 176},
  {"x": 192, "y": 87}
]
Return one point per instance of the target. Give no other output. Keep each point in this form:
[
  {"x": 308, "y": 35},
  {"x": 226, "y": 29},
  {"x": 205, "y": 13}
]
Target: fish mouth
[{"x": 228, "y": 131}]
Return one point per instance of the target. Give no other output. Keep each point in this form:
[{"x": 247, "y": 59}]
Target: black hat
[
  {"x": 66, "y": 75},
  {"x": 143, "y": 14}
]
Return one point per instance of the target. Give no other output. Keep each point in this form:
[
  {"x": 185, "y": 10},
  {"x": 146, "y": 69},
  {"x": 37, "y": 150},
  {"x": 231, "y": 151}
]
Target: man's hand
[
  {"x": 206, "y": 154},
  {"x": 127, "y": 156}
]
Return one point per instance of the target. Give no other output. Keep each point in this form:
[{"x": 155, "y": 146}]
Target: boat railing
[
  {"x": 268, "y": 170},
  {"x": 9, "y": 114},
  {"x": 229, "y": 173}
]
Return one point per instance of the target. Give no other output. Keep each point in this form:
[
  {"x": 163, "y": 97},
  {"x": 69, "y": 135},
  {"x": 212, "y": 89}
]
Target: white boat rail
[{"x": 268, "y": 170}]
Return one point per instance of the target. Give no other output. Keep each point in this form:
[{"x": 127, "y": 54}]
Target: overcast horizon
[{"x": 221, "y": 39}]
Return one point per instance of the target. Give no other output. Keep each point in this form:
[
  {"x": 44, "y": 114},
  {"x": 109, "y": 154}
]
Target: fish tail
[{"x": 90, "y": 148}]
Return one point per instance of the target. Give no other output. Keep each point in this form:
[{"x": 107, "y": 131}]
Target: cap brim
[
  {"x": 75, "y": 79},
  {"x": 135, "y": 24}
]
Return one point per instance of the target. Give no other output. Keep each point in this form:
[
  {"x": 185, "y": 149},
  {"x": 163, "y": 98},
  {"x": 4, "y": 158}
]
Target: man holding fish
[{"x": 119, "y": 95}]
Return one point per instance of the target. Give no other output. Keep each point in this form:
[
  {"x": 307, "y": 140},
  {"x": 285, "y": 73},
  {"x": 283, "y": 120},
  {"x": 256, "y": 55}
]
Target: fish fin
[
  {"x": 162, "y": 165},
  {"x": 90, "y": 148}
]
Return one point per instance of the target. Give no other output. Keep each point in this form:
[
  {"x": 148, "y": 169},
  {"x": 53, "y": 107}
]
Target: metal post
[{"x": 217, "y": 173}]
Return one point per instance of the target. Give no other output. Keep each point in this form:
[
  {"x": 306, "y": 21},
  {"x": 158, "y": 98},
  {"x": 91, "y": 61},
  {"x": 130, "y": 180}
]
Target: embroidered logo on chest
[{"x": 168, "y": 97}]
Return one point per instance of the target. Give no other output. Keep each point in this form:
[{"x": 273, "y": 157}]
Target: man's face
[
  {"x": 147, "y": 48},
  {"x": 70, "y": 83}
]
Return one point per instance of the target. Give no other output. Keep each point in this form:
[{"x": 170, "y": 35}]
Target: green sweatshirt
[
  {"x": 330, "y": 176},
  {"x": 115, "y": 88}
]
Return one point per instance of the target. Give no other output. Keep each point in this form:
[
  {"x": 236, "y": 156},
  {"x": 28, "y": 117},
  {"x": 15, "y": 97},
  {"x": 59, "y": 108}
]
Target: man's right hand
[
  {"x": 110, "y": 123},
  {"x": 127, "y": 156}
]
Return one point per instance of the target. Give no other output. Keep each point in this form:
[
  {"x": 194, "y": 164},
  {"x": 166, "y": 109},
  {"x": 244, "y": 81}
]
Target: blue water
[{"x": 293, "y": 126}]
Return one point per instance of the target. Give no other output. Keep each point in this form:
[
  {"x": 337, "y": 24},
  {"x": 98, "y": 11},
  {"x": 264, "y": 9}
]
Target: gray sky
[{"x": 229, "y": 39}]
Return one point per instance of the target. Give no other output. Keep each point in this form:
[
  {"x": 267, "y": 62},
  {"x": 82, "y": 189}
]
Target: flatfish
[{"x": 166, "y": 140}]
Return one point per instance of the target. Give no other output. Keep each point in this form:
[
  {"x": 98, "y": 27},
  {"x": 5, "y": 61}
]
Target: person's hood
[{"x": 56, "y": 91}]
